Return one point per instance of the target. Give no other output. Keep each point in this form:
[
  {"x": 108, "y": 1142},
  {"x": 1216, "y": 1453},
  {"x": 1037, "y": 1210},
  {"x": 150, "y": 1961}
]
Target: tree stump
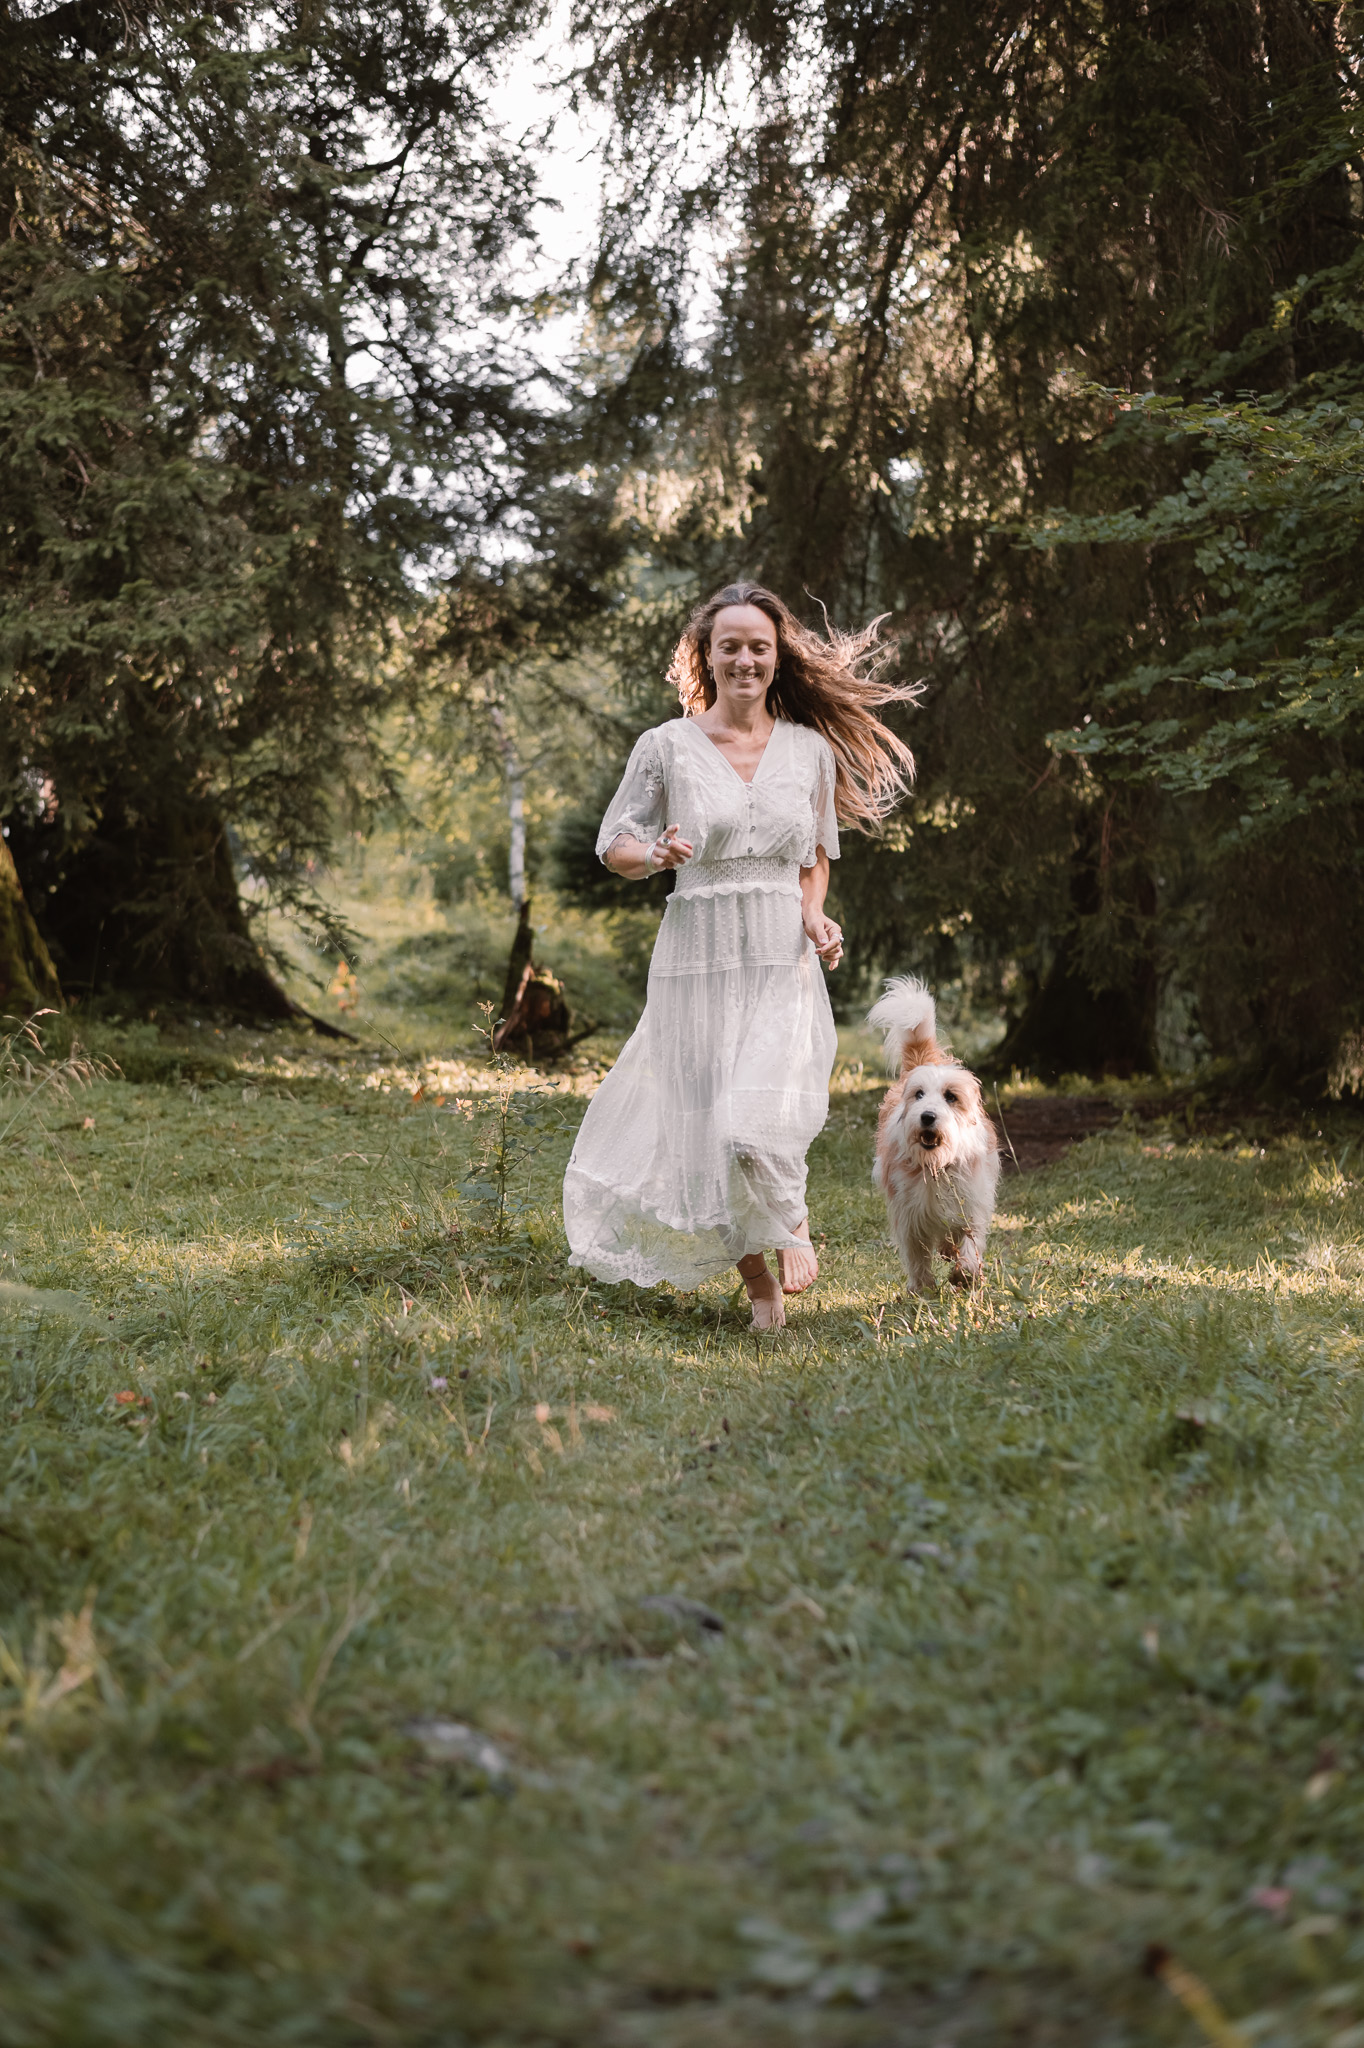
[
  {"x": 538, "y": 1026},
  {"x": 535, "y": 1020}
]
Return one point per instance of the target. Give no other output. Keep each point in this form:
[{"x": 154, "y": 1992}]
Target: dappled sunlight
[
  {"x": 365, "y": 1459},
  {"x": 408, "y": 1638}
]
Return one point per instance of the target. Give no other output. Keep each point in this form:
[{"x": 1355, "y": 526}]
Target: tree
[
  {"x": 248, "y": 387},
  {"x": 28, "y": 980},
  {"x": 509, "y": 701},
  {"x": 1252, "y": 717},
  {"x": 940, "y": 232}
]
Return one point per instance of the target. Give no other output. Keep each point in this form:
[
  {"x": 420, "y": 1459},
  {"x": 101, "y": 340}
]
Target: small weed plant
[
  {"x": 31, "y": 1077},
  {"x": 512, "y": 1124}
]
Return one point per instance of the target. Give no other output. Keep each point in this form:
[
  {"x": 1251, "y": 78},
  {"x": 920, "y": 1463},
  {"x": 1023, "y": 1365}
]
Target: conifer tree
[
  {"x": 247, "y": 385},
  {"x": 945, "y": 238}
]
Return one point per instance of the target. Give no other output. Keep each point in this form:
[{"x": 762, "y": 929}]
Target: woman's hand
[
  {"x": 668, "y": 851},
  {"x": 629, "y": 857},
  {"x": 824, "y": 935}
]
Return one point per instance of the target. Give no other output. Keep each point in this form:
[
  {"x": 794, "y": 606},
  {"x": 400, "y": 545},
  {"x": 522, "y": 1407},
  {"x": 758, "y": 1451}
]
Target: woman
[{"x": 691, "y": 1156}]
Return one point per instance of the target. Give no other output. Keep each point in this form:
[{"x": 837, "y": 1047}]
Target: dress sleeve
[
  {"x": 823, "y": 817},
  {"x": 638, "y": 806}
]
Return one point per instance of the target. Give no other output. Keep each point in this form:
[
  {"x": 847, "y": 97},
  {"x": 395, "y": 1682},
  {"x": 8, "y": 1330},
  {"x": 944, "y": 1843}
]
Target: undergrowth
[{"x": 904, "y": 1679}]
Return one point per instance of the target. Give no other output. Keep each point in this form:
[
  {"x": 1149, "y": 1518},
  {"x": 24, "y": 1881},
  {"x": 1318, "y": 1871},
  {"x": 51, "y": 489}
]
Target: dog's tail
[{"x": 908, "y": 1022}]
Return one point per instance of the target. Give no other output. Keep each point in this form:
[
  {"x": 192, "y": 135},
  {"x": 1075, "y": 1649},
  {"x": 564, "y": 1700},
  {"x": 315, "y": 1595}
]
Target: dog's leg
[
  {"x": 968, "y": 1254},
  {"x": 917, "y": 1260}
]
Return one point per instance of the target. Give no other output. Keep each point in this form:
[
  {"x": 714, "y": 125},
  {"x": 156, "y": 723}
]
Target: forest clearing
[
  {"x": 559, "y": 564},
  {"x": 907, "y": 1675}
]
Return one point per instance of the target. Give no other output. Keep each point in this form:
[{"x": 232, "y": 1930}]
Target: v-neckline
[{"x": 721, "y": 755}]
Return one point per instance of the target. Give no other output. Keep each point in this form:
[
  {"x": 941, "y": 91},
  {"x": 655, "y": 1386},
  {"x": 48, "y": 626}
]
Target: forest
[
  {"x": 416, "y": 1629},
  {"x": 1036, "y": 332}
]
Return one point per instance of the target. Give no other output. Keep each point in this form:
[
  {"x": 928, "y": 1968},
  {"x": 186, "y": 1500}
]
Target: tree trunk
[
  {"x": 511, "y": 1020},
  {"x": 535, "y": 1017},
  {"x": 1073, "y": 1024},
  {"x": 1069, "y": 1027},
  {"x": 148, "y": 906},
  {"x": 28, "y": 980},
  {"x": 516, "y": 808},
  {"x": 518, "y": 967}
]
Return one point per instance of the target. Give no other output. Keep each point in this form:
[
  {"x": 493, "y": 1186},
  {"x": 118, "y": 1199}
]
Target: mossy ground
[{"x": 1042, "y": 1636}]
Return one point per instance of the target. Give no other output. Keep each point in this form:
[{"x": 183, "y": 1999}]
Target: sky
[{"x": 529, "y": 98}]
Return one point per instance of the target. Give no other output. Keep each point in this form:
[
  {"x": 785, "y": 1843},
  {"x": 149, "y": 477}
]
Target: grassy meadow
[{"x": 404, "y": 1640}]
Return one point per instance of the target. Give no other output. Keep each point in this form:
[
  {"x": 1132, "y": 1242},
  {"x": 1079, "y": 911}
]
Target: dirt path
[{"x": 1035, "y": 1131}]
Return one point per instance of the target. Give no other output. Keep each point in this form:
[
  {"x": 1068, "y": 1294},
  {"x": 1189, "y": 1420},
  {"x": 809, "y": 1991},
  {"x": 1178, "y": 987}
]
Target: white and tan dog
[{"x": 937, "y": 1157}]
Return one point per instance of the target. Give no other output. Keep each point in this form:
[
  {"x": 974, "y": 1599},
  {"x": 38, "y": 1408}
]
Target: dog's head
[{"x": 940, "y": 1113}]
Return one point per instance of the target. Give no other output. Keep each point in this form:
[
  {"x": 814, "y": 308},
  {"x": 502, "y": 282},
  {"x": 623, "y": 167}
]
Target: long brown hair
[{"x": 832, "y": 683}]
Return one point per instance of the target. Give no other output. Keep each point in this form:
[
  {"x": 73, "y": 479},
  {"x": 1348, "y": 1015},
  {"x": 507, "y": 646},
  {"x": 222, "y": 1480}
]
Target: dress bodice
[{"x": 746, "y": 835}]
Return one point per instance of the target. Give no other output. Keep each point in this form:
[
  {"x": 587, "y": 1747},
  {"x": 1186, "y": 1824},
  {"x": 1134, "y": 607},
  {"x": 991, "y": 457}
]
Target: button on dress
[{"x": 692, "y": 1152}]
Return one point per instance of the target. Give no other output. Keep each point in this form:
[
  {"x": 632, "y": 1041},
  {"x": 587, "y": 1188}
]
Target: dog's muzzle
[{"x": 929, "y": 1135}]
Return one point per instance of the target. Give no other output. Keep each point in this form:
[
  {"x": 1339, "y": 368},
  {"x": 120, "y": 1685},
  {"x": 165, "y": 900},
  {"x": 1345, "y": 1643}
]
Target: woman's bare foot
[
  {"x": 798, "y": 1268},
  {"x": 764, "y": 1292}
]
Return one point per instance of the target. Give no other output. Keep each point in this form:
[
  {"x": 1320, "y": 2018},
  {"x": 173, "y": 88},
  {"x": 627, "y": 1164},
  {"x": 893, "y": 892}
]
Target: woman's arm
[
  {"x": 822, "y": 932},
  {"x": 631, "y": 858}
]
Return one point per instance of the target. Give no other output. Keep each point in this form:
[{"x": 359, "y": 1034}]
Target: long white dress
[{"x": 692, "y": 1152}]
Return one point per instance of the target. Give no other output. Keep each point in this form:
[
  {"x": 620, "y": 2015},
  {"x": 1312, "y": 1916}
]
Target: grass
[
  {"x": 999, "y": 1639},
  {"x": 424, "y": 964}
]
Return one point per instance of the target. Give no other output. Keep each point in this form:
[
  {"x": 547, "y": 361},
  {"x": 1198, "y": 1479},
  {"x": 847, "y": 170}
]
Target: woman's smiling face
[{"x": 743, "y": 653}]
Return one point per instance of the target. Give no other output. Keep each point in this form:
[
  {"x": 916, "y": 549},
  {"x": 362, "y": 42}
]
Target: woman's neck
[{"x": 751, "y": 719}]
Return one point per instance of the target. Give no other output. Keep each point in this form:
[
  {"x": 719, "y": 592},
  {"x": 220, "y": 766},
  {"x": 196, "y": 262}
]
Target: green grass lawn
[{"x": 998, "y": 1639}]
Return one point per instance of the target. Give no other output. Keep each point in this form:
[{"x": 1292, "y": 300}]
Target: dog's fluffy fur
[{"x": 937, "y": 1157}]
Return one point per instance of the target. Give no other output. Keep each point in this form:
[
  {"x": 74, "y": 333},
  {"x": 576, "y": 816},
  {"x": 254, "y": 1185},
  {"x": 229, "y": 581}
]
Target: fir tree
[
  {"x": 248, "y": 384},
  {"x": 939, "y": 232}
]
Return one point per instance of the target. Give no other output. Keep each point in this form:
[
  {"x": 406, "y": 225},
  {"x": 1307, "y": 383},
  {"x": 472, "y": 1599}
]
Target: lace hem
[{"x": 624, "y": 1241}]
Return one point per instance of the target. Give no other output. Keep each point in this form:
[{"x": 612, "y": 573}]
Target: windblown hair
[{"x": 832, "y": 683}]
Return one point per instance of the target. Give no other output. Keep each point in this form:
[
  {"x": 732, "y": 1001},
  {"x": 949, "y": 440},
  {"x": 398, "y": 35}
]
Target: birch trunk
[
  {"x": 516, "y": 806},
  {"x": 520, "y": 959}
]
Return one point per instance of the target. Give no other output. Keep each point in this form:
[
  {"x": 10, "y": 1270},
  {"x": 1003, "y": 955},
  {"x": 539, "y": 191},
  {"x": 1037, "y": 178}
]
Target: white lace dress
[{"x": 692, "y": 1152}]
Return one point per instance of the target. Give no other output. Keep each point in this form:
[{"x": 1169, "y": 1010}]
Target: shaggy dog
[{"x": 937, "y": 1157}]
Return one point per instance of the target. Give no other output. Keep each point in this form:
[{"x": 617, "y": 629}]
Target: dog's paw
[{"x": 968, "y": 1262}]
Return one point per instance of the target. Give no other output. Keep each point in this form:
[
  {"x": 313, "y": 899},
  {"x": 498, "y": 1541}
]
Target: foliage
[
  {"x": 868, "y": 274},
  {"x": 248, "y": 385},
  {"x": 1248, "y": 710},
  {"x": 424, "y": 895},
  {"x": 1275, "y": 515},
  {"x": 553, "y": 713},
  {"x": 1039, "y": 1611}
]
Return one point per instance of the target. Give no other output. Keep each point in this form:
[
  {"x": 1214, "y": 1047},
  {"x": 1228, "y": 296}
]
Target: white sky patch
[{"x": 532, "y": 103}]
